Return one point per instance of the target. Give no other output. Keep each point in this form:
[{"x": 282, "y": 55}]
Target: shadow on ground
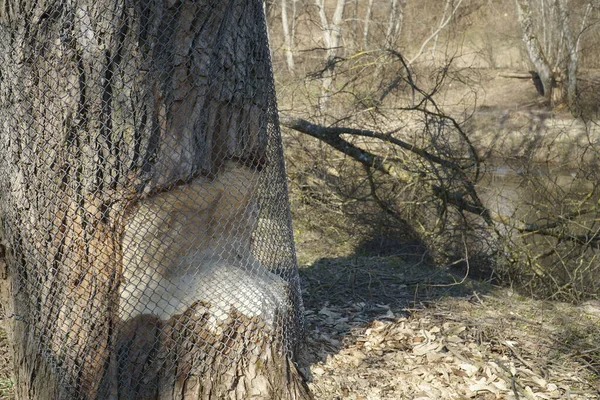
[
  {"x": 394, "y": 326},
  {"x": 384, "y": 279}
]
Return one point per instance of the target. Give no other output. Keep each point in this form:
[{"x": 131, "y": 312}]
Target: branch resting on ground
[{"x": 460, "y": 200}]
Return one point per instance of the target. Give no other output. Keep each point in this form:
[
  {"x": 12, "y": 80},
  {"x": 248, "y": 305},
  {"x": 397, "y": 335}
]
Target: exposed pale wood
[{"x": 106, "y": 105}]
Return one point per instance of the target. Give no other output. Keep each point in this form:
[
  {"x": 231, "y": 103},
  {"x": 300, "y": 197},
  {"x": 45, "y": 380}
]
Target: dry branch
[
  {"x": 516, "y": 75},
  {"x": 463, "y": 201}
]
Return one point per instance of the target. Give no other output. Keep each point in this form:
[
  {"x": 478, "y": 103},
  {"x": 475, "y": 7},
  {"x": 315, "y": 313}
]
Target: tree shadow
[{"x": 386, "y": 278}]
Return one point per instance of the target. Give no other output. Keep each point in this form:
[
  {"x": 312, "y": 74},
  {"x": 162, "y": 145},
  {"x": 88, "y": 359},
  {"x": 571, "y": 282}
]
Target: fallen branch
[
  {"x": 332, "y": 136},
  {"x": 463, "y": 201},
  {"x": 515, "y": 75}
]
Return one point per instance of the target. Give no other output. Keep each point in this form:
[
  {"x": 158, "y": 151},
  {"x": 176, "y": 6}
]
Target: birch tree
[
  {"x": 332, "y": 35},
  {"x": 289, "y": 31},
  {"x": 394, "y": 26},
  {"x": 367, "y": 24},
  {"x": 552, "y": 47}
]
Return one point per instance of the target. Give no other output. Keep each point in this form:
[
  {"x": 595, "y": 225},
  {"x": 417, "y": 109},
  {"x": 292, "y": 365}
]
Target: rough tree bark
[{"x": 110, "y": 109}]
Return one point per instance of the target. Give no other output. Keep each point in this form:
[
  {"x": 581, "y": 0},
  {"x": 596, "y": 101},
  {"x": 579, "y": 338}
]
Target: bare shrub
[{"x": 417, "y": 165}]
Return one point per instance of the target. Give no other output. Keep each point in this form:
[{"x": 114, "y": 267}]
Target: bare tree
[{"x": 552, "y": 47}]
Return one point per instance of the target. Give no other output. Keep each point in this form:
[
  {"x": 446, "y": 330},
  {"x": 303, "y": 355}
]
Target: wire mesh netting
[{"x": 143, "y": 195}]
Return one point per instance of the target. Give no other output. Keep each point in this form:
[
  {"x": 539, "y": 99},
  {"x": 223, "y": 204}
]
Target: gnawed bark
[
  {"x": 556, "y": 60},
  {"x": 107, "y": 108}
]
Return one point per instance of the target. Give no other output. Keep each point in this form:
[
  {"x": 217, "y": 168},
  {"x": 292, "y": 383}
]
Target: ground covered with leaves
[
  {"x": 6, "y": 383},
  {"x": 441, "y": 340}
]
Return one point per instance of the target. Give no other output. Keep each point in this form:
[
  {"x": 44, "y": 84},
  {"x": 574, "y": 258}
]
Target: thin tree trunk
[
  {"x": 355, "y": 34},
  {"x": 443, "y": 24},
  {"x": 546, "y": 20},
  {"x": 288, "y": 39},
  {"x": 533, "y": 46},
  {"x": 128, "y": 129},
  {"x": 332, "y": 33},
  {"x": 368, "y": 14},
  {"x": 395, "y": 22},
  {"x": 294, "y": 22}
]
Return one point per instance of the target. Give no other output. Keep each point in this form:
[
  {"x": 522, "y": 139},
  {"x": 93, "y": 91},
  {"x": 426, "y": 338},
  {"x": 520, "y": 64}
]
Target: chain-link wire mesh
[{"x": 143, "y": 195}]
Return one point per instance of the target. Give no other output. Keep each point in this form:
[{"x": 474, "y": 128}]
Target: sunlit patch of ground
[{"x": 484, "y": 345}]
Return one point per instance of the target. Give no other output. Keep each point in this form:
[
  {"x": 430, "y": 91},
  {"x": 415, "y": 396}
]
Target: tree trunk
[
  {"x": 332, "y": 35},
  {"x": 534, "y": 48},
  {"x": 366, "y": 26},
  {"x": 395, "y": 21},
  {"x": 559, "y": 81},
  {"x": 288, "y": 39},
  {"x": 140, "y": 171},
  {"x": 570, "y": 95}
]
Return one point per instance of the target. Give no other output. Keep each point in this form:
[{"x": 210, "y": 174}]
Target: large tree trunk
[
  {"x": 139, "y": 149},
  {"x": 572, "y": 55}
]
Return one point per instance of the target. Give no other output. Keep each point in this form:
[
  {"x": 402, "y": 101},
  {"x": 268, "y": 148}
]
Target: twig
[
  {"x": 513, "y": 381},
  {"x": 435, "y": 33},
  {"x": 519, "y": 357},
  {"x": 466, "y": 275}
]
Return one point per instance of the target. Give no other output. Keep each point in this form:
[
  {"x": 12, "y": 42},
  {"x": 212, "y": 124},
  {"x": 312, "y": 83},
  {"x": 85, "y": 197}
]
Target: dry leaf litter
[{"x": 491, "y": 347}]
